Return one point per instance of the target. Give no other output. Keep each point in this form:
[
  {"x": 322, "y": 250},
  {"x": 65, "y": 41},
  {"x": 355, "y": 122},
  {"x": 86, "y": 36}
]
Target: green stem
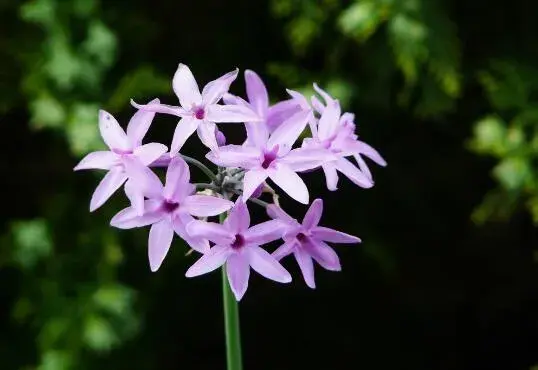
[
  {"x": 201, "y": 166},
  {"x": 231, "y": 322}
]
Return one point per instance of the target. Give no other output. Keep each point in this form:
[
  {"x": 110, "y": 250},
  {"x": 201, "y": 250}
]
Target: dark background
[{"x": 446, "y": 276}]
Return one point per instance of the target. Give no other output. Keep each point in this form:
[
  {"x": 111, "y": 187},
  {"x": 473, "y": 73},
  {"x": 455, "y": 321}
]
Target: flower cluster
[{"x": 270, "y": 151}]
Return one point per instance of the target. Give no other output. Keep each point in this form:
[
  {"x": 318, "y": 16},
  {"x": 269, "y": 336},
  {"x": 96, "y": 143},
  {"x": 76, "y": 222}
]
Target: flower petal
[
  {"x": 266, "y": 265},
  {"x": 207, "y": 134},
  {"x": 331, "y": 176},
  {"x": 317, "y": 104},
  {"x": 313, "y": 215},
  {"x": 334, "y": 236},
  {"x": 238, "y": 219},
  {"x": 304, "y": 159},
  {"x": 279, "y": 112},
  {"x": 112, "y": 133},
  {"x": 215, "y": 89},
  {"x": 306, "y": 265},
  {"x": 257, "y": 134},
  {"x": 139, "y": 124},
  {"x": 353, "y": 173},
  {"x": 128, "y": 218},
  {"x": 160, "y": 239},
  {"x": 264, "y": 232},
  {"x": 235, "y": 156},
  {"x": 177, "y": 179},
  {"x": 230, "y": 113},
  {"x": 144, "y": 178},
  {"x": 363, "y": 166},
  {"x": 251, "y": 181},
  {"x": 238, "y": 272},
  {"x": 290, "y": 182},
  {"x": 100, "y": 160},
  {"x": 256, "y": 92},
  {"x": 186, "y": 88},
  {"x": 323, "y": 254},
  {"x": 371, "y": 153},
  {"x": 210, "y": 261},
  {"x": 287, "y": 133},
  {"x": 217, "y": 233},
  {"x": 108, "y": 185},
  {"x": 149, "y": 153},
  {"x": 135, "y": 196},
  {"x": 160, "y": 108},
  {"x": 184, "y": 129},
  {"x": 179, "y": 224},
  {"x": 275, "y": 212},
  {"x": 284, "y": 250},
  {"x": 205, "y": 205},
  {"x": 329, "y": 120},
  {"x": 230, "y": 99}
]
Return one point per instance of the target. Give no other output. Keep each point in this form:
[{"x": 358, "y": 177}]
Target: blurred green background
[{"x": 446, "y": 277}]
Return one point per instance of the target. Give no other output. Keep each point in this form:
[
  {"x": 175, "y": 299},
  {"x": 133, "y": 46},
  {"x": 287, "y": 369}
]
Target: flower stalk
[{"x": 232, "y": 329}]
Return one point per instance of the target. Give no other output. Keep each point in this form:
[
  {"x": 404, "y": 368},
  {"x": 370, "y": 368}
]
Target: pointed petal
[
  {"x": 334, "y": 236},
  {"x": 108, "y": 185},
  {"x": 162, "y": 161},
  {"x": 323, "y": 93},
  {"x": 323, "y": 254},
  {"x": 290, "y": 182},
  {"x": 210, "y": 261},
  {"x": 205, "y": 205},
  {"x": 275, "y": 212},
  {"x": 128, "y": 218},
  {"x": 230, "y": 99},
  {"x": 265, "y": 232},
  {"x": 306, "y": 265},
  {"x": 139, "y": 124},
  {"x": 143, "y": 178},
  {"x": 177, "y": 178},
  {"x": 217, "y": 233},
  {"x": 112, "y": 133},
  {"x": 215, "y": 89},
  {"x": 266, "y": 265},
  {"x": 256, "y": 92},
  {"x": 238, "y": 219},
  {"x": 100, "y": 160},
  {"x": 160, "y": 239},
  {"x": 353, "y": 173},
  {"x": 331, "y": 176},
  {"x": 207, "y": 134},
  {"x": 329, "y": 120},
  {"x": 135, "y": 196},
  {"x": 363, "y": 167},
  {"x": 161, "y": 108},
  {"x": 284, "y": 250},
  {"x": 287, "y": 133},
  {"x": 251, "y": 181},
  {"x": 230, "y": 113},
  {"x": 279, "y": 112},
  {"x": 317, "y": 104},
  {"x": 179, "y": 224},
  {"x": 186, "y": 88},
  {"x": 304, "y": 159},
  {"x": 313, "y": 215},
  {"x": 257, "y": 134},
  {"x": 184, "y": 129},
  {"x": 238, "y": 272},
  {"x": 149, "y": 153},
  {"x": 371, "y": 153},
  {"x": 235, "y": 156}
]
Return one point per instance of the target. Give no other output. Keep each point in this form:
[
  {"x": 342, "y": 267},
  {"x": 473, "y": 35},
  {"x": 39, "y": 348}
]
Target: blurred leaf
[
  {"x": 489, "y": 136},
  {"x": 39, "y": 11},
  {"x": 513, "y": 172},
  {"x": 47, "y": 112},
  {"x": 84, "y": 8},
  {"x": 361, "y": 19},
  {"x": 98, "y": 334},
  {"x": 83, "y": 131},
  {"x": 100, "y": 44},
  {"x": 114, "y": 299},
  {"x": 56, "y": 360},
  {"x": 32, "y": 242}
]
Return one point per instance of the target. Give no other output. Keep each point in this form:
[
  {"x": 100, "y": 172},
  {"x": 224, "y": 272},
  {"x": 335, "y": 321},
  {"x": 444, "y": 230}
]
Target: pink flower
[
  {"x": 200, "y": 111},
  {"x": 123, "y": 147},
  {"x": 307, "y": 241},
  {"x": 271, "y": 156},
  {"x": 169, "y": 209},
  {"x": 238, "y": 246}
]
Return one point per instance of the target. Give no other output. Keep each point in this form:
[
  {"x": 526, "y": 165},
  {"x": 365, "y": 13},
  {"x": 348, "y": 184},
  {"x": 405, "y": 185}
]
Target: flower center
[
  {"x": 301, "y": 238},
  {"x": 122, "y": 152},
  {"x": 199, "y": 113},
  {"x": 269, "y": 157},
  {"x": 239, "y": 242},
  {"x": 169, "y": 206}
]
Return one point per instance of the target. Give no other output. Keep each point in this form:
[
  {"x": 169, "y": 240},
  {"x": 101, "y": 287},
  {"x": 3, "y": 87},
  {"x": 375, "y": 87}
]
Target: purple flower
[
  {"x": 336, "y": 133},
  {"x": 307, "y": 241},
  {"x": 169, "y": 208},
  {"x": 200, "y": 111},
  {"x": 123, "y": 148},
  {"x": 238, "y": 245},
  {"x": 258, "y": 101},
  {"x": 271, "y": 156}
]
